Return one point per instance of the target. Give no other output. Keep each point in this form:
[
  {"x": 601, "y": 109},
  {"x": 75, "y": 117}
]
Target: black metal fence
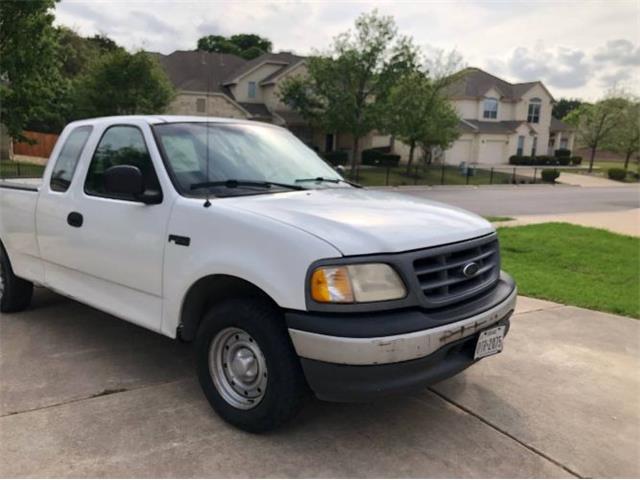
[
  {"x": 442, "y": 174},
  {"x": 9, "y": 169}
]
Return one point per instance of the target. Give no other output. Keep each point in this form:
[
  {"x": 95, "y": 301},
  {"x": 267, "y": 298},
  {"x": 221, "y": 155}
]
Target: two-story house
[{"x": 500, "y": 119}]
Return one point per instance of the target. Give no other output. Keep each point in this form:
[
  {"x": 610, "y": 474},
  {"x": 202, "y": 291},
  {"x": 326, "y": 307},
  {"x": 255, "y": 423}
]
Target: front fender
[{"x": 271, "y": 255}]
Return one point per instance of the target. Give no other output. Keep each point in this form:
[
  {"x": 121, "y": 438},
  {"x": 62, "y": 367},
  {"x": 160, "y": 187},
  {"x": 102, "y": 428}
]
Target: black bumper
[{"x": 355, "y": 383}]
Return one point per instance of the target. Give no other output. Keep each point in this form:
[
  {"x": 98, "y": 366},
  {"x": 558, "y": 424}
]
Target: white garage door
[
  {"x": 492, "y": 152},
  {"x": 459, "y": 152}
]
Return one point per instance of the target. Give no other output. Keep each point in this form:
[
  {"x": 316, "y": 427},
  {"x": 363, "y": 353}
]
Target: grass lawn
[
  {"x": 17, "y": 170},
  {"x": 498, "y": 219},
  {"x": 581, "y": 266}
]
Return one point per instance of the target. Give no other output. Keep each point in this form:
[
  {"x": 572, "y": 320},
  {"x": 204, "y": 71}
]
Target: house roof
[
  {"x": 285, "y": 59},
  {"x": 257, "y": 110},
  {"x": 559, "y": 126},
  {"x": 475, "y": 83},
  {"x": 496, "y": 128},
  {"x": 198, "y": 71}
]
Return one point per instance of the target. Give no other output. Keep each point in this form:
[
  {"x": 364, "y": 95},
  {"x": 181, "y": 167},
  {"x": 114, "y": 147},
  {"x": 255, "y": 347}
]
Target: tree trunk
[
  {"x": 593, "y": 156},
  {"x": 355, "y": 160},
  {"x": 626, "y": 160},
  {"x": 412, "y": 148}
]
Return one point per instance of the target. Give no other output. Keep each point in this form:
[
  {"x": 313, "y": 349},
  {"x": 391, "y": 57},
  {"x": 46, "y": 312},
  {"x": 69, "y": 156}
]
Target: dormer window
[
  {"x": 490, "y": 108},
  {"x": 533, "y": 115}
]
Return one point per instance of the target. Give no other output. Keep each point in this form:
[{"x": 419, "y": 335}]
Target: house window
[
  {"x": 520, "y": 150},
  {"x": 252, "y": 89},
  {"x": 490, "y": 108},
  {"x": 533, "y": 115},
  {"x": 200, "y": 105},
  {"x": 534, "y": 145}
]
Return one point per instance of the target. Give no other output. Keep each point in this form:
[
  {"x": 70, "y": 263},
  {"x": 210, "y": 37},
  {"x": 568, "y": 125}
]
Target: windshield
[{"x": 240, "y": 153}]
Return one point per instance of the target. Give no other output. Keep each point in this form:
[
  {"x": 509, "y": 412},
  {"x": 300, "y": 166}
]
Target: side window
[
  {"x": 120, "y": 145},
  {"x": 252, "y": 90},
  {"x": 68, "y": 159}
]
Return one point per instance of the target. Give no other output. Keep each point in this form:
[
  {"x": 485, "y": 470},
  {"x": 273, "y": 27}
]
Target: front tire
[
  {"x": 247, "y": 366},
  {"x": 15, "y": 293}
]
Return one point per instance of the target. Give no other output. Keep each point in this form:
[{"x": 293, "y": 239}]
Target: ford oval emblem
[{"x": 470, "y": 269}]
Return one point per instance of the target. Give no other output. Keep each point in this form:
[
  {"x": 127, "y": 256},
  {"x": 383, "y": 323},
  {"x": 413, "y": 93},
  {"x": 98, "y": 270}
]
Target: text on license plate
[{"x": 489, "y": 342}]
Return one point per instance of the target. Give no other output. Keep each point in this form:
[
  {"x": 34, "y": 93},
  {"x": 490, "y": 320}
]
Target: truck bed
[{"x": 28, "y": 184}]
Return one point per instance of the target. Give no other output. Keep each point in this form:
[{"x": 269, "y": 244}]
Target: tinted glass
[
  {"x": 68, "y": 159},
  {"x": 120, "y": 145},
  {"x": 199, "y": 152}
]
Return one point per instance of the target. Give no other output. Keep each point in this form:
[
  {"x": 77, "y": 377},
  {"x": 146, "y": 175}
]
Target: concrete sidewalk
[
  {"x": 584, "y": 180},
  {"x": 624, "y": 222},
  {"x": 84, "y": 394}
]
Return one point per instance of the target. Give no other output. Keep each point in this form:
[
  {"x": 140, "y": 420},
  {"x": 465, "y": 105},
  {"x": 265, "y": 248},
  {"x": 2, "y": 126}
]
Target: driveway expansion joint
[
  {"x": 103, "y": 393},
  {"x": 506, "y": 434}
]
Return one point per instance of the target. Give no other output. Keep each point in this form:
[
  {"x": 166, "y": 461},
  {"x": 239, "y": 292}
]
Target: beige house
[{"x": 500, "y": 119}]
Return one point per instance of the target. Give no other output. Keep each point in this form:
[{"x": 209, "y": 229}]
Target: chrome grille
[{"x": 441, "y": 276}]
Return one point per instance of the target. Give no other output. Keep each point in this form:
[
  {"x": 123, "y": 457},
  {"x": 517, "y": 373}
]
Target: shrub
[
  {"x": 562, "y": 152},
  {"x": 618, "y": 174},
  {"x": 337, "y": 158},
  {"x": 389, "y": 160},
  {"x": 372, "y": 156},
  {"x": 520, "y": 160},
  {"x": 576, "y": 160},
  {"x": 550, "y": 175},
  {"x": 563, "y": 160}
]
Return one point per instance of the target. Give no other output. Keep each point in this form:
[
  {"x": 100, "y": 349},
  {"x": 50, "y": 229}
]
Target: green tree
[
  {"x": 418, "y": 111},
  {"x": 346, "y": 89},
  {"x": 121, "y": 83},
  {"x": 565, "y": 105},
  {"x": 596, "y": 122},
  {"x": 29, "y": 71},
  {"x": 625, "y": 138},
  {"x": 245, "y": 45}
]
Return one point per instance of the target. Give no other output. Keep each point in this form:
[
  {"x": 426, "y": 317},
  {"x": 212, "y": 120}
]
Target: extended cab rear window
[{"x": 68, "y": 158}]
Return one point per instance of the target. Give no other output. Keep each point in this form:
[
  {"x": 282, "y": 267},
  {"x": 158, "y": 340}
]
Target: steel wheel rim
[{"x": 238, "y": 368}]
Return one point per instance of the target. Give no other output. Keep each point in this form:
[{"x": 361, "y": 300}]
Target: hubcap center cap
[{"x": 244, "y": 365}]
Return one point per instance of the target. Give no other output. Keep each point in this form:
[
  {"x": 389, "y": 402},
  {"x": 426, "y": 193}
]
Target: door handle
[{"x": 75, "y": 219}]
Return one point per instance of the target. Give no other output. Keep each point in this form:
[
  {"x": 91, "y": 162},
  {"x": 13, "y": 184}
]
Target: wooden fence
[{"x": 42, "y": 148}]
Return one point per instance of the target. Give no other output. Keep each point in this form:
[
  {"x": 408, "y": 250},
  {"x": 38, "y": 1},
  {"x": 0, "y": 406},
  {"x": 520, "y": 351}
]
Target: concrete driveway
[{"x": 83, "y": 394}]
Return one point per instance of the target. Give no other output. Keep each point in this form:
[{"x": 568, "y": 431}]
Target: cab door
[{"x": 107, "y": 249}]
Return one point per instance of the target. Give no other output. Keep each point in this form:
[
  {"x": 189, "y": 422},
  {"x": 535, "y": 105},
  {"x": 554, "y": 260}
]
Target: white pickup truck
[{"x": 236, "y": 236}]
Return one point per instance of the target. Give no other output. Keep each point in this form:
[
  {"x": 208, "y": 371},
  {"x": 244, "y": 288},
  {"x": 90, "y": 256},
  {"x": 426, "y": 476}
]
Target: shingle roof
[
  {"x": 285, "y": 58},
  {"x": 475, "y": 83},
  {"x": 505, "y": 127},
  {"x": 257, "y": 110},
  {"x": 559, "y": 126},
  {"x": 200, "y": 71}
]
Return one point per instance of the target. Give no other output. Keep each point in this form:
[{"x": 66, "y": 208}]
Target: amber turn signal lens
[{"x": 331, "y": 285}]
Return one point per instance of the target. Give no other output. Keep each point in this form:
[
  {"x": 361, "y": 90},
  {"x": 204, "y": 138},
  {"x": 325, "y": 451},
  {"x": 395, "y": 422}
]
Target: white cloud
[{"x": 557, "y": 42}]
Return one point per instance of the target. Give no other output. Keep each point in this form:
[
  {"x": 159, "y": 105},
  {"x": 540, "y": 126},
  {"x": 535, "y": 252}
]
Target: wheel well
[{"x": 208, "y": 291}]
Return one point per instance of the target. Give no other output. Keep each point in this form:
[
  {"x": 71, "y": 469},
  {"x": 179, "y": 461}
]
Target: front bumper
[{"x": 349, "y": 368}]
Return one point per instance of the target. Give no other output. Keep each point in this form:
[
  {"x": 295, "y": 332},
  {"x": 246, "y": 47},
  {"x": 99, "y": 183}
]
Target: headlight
[{"x": 368, "y": 282}]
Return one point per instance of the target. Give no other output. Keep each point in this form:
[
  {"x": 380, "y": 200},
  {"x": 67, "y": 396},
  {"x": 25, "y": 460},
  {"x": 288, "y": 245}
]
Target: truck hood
[{"x": 359, "y": 221}]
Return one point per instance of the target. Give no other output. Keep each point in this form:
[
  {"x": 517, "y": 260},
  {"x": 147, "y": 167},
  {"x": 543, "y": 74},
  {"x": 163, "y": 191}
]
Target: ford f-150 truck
[{"x": 237, "y": 237}]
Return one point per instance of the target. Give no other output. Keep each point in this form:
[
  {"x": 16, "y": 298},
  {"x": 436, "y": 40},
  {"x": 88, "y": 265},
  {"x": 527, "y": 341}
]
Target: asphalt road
[
  {"x": 531, "y": 199},
  {"x": 83, "y": 394}
]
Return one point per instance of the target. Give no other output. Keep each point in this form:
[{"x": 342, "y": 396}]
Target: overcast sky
[{"x": 577, "y": 48}]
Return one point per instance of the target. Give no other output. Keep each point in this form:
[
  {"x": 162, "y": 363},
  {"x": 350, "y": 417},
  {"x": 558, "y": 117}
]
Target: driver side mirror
[{"x": 127, "y": 180}]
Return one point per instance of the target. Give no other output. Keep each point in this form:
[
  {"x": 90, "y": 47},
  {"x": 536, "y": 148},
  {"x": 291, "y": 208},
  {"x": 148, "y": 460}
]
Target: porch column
[{"x": 556, "y": 143}]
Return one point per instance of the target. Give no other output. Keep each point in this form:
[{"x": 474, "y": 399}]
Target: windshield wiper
[
  {"x": 329, "y": 180},
  {"x": 244, "y": 183}
]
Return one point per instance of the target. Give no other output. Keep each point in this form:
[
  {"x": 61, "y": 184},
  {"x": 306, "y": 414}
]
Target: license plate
[{"x": 489, "y": 342}]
